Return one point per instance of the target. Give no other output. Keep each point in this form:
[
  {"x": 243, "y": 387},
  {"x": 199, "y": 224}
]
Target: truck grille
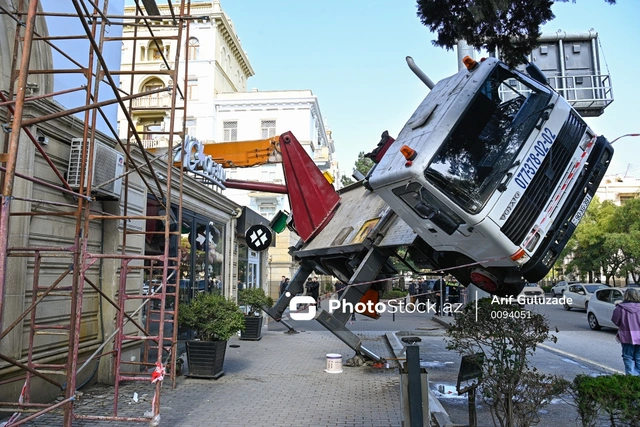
[{"x": 545, "y": 181}]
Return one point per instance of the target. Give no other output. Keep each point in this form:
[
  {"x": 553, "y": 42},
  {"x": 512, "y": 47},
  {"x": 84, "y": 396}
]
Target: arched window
[
  {"x": 194, "y": 48},
  {"x": 155, "y": 49},
  {"x": 152, "y": 84},
  {"x": 155, "y": 99}
]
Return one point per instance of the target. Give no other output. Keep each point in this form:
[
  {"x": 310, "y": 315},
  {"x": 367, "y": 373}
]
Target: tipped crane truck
[{"x": 486, "y": 181}]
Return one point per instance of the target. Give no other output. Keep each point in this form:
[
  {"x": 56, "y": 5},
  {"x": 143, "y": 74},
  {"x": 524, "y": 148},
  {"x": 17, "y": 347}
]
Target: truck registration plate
[{"x": 581, "y": 210}]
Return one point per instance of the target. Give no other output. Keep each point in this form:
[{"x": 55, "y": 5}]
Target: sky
[{"x": 351, "y": 55}]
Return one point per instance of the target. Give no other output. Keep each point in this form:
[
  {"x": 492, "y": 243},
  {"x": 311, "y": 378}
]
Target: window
[
  {"x": 268, "y": 128},
  {"x": 267, "y": 175},
  {"x": 230, "y": 131},
  {"x": 192, "y": 88},
  {"x": 190, "y": 125},
  {"x": 153, "y": 84},
  {"x": 267, "y": 210},
  {"x": 155, "y": 49},
  {"x": 194, "y": 48}
]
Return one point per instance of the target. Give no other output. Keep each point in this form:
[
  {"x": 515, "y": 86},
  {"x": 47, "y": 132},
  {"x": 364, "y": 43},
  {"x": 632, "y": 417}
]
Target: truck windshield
[{"x": 480, "y": 151}]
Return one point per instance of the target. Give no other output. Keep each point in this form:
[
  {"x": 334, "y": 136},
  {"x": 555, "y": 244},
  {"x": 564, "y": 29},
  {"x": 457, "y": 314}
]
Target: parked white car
[
  {"x": 560, "y": 287},
  {"x": 601, "y": 305},
  {"x": 531, "y": 293},
  {"x": 578, "y": 294}
]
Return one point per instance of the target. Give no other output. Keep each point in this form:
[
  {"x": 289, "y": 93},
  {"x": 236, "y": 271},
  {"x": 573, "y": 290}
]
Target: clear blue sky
[{"x": 351, "y": 54}]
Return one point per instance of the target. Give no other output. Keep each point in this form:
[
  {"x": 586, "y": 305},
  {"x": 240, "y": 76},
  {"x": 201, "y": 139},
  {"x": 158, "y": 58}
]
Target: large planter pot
[
  {"x": 252, "y": 328},
  {"x": 206, "y": 358}
]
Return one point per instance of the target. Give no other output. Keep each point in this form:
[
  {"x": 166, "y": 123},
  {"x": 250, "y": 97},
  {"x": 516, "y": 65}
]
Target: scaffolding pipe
[{"x": 14, "y": 141}]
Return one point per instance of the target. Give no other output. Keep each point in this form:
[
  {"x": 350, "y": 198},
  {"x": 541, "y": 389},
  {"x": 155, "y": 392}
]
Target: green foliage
[
  {"x": 511, "y": 25},
  {"x": 254, "y": 299},
  {"x": 616, "y": 395},
  {"x": 363, "y": 164},
  {"x": 607, "y": 239},
  {"x": 395, "y": 293},
  {"x": 211, "y": 316},
  {"x": 507, "y": 335},
  {"x": 346, "y": 181}
]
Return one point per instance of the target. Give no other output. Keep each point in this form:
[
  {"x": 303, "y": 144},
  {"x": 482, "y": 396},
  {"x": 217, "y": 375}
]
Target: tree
[
  {"x": 511, "y": 25},
  {"x": 608, "y": 240},
  {"x": 362, "y": 165},
  {"x": 506, "y": 335}
]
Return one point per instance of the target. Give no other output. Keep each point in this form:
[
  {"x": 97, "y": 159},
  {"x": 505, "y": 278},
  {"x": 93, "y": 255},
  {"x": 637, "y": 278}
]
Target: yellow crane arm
[{"x": 241, "y": 154}]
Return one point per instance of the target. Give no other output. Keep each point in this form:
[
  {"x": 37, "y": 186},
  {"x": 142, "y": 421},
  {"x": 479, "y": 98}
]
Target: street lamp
[{"x": 629, "y": 134}]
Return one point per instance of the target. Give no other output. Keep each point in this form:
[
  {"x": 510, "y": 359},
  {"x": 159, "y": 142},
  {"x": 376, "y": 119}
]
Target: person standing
[
  {"x": 438, "y": 291},
  {"x": 283, "y": 285},
  {"x": 626, "y": 316},
  {"x": 413, "y": 291},
  {"x": 315, "y": 291},
  {"x": 340, "y": 287},
  {"x": 423, "y": 292},
  {"x": 453, "y": 299}
]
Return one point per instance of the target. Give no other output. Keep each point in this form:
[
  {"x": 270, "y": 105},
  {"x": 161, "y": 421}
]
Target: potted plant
[
  {"x": 253, "y": 299},
  {"x": 214, "y": 319}
]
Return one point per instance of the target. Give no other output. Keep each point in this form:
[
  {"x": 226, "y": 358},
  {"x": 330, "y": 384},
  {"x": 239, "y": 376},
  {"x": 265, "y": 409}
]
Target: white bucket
[{"x": 334, "y": 363}]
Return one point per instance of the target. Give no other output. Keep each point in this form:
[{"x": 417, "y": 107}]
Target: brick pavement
[
  {"x": 277, "y": 381},
  {"x": 280, "y": 381}
]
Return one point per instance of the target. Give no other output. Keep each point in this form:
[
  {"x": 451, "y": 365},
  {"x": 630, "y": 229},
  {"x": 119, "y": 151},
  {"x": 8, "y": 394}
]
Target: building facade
[
  {"x": 220, "y": 109},
  {"x": 618, "y": 189}
]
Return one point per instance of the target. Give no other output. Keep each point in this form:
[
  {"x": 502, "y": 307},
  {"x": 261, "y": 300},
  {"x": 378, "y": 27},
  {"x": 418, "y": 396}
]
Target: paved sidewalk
[
  {"x": 280, "y": 381},
  {"x": 277, "y": 381}
]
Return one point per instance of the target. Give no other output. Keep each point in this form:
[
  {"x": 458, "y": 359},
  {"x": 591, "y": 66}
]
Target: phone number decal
[{"x": 532, "y": 162}]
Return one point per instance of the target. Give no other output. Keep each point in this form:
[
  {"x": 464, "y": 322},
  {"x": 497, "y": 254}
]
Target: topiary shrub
[
  {"x": 616, "y": 396},
  {"x": 254, "y": 299},
  {"x": 211, "y": 316}
]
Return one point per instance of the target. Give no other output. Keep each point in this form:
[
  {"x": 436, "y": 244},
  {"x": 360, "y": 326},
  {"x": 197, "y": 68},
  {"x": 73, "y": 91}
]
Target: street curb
[
  {"x": 442, "y": 322},
  {"x": 436, "y": 409}
]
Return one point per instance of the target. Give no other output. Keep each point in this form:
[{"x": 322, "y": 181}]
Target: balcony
[{"x": 152, "y": 101}]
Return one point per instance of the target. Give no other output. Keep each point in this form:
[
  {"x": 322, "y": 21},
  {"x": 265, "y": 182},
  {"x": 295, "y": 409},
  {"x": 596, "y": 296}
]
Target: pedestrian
[
  {"x": 626, "y": 316},
  {"x": 413, "y": 291},
  {"x": 438, "y": 293},
  {"x": 315, "y": 291},
  {"x": 240, "y": 285},
  {"x": 340, "y": 288},
  {"x": 423, "y": 291},
  {"x": 283, "y": 284},
  {"x": 454, "y": 295}
]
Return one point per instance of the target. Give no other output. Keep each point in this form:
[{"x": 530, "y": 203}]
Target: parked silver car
[
  {"x": 578, "y": 294},
  {"x": 531, "y": 293},
  {"x": 601, "y": 305},
  {"x": 560, "y": 287}
]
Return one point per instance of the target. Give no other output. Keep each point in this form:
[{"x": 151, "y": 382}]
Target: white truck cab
[{"x": 493, "y": 171}]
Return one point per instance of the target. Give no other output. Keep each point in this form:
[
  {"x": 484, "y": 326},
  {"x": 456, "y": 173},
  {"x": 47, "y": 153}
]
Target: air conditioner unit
[{"x": 108, "y": 163}]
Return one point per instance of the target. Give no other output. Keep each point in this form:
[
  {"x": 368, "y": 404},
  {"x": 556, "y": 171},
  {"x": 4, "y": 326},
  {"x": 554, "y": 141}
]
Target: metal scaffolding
[{"x": 72, "y": 286}]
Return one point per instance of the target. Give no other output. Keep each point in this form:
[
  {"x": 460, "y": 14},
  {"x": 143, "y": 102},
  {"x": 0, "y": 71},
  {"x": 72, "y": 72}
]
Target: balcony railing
[{"x": 152, "y": 101}]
